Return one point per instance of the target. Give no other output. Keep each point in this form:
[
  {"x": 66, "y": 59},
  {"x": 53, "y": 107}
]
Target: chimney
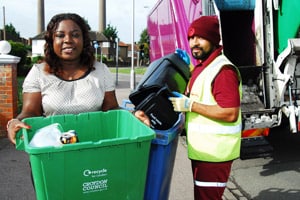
[
  {"x": 41, "y": 17},
  {"x": 102, "y": 15}
]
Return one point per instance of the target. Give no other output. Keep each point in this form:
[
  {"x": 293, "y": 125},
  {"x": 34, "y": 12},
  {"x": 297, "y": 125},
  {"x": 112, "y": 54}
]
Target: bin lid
[{"x": 159, "y": 109}]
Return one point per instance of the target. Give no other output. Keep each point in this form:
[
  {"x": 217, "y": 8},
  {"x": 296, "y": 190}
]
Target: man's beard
[{"x": 203, "y": 56}]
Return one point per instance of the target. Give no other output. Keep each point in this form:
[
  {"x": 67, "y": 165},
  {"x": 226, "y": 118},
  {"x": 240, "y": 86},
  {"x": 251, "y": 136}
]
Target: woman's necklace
[
  {"x": 71, "y": 76},
  {"x": 73, "y": 73}
]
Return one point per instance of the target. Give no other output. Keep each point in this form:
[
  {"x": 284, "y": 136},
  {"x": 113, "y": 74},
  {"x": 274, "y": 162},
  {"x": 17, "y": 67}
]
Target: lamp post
[
  {"x": 4, "y": 30},
  {"x": 96, "y": 45},
  {"x": 117, "y": 59},
  {"x": 132, "y": 72},
  {"x": 101, "y": 53}
]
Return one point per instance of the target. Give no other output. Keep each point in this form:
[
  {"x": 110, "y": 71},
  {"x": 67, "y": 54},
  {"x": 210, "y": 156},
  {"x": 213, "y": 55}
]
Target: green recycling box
[{"x": 110, "y": 160}]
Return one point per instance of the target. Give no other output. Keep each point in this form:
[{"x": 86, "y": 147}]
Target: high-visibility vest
[{"x": 212, "y": 140}]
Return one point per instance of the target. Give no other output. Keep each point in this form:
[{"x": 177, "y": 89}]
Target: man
[{"x": 213, "y": 115}]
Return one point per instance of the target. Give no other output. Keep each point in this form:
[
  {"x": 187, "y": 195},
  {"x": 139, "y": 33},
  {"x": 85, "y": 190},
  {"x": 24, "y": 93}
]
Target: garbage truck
[{"x": 261, "y": 37}]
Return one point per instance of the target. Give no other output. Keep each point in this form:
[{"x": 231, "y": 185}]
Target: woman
[{"x": 69, "y": 81}]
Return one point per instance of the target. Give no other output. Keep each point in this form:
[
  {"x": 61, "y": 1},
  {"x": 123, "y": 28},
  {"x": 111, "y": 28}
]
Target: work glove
[
  {"x": 185, "y": 57},
  {"x": 181, "y": 103}
]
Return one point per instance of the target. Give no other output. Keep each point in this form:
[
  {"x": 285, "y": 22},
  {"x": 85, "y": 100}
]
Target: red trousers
[{"x": 210, "y": 179}]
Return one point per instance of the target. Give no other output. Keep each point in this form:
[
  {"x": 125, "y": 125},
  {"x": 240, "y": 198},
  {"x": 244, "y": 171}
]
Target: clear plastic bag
[{"x": 47, "y": 136}]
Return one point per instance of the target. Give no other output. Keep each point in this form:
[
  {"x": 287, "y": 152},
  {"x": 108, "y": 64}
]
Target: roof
[
  {"x": 135, "y": 46},
  {"x": 122, "y": 44},
  {"x": 97, "y": 36},
  {"x": 39, "y": 36},
  {"x": 94, "y": 35}
]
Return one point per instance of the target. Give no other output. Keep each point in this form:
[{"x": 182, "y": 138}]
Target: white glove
[{"x": 181, "y": 103}]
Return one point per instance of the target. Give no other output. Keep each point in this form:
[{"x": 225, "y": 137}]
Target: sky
[{"x": 22, "y": 14}]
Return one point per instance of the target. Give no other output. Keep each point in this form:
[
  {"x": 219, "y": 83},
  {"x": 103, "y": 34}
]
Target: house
[
  {"x": 37, "y": 44},
  {"x": 135, "y": 53},
  {"x": 14, "y": 38},
  {"x": 123, "y": 53}
]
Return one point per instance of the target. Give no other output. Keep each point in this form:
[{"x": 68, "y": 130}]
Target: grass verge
[{"x": 126, "y": 70}]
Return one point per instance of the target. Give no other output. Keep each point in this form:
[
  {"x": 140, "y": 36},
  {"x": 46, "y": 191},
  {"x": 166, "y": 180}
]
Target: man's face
[{"x": 200, "y": 47}]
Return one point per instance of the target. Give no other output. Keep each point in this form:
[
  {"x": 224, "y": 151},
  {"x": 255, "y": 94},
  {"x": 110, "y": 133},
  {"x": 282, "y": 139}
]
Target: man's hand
[{"x": 181, "y": 103}]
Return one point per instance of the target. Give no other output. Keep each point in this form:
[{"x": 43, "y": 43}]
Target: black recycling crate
[
  {"x": 159, "y": 109},
  {"x": 167, "y": 74}
]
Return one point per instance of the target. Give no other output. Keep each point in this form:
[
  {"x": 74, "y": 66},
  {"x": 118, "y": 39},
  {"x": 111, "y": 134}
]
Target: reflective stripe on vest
[
  {"x": 208, "y": 128},
  {"x": 211, "y": 140},
  {"x": 209, "y": 184}
]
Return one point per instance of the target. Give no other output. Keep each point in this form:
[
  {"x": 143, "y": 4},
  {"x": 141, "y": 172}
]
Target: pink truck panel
[{"x": 167, "y": 23}]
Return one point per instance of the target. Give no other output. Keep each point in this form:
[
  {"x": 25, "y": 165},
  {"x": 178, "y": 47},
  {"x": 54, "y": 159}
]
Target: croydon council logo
[{"x": 95, "y": 185}]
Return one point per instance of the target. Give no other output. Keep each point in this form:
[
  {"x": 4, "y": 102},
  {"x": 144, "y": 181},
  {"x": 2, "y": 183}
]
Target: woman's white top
[{"x": 60, "y": 96}]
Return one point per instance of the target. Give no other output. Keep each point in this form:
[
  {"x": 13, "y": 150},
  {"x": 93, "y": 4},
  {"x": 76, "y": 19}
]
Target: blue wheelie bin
[
  {"x": 161, "y": 161},
  {"x": 163, "y": 76}
]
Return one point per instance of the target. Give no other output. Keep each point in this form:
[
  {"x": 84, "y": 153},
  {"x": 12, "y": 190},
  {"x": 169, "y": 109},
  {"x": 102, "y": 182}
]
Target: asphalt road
[{"x": 276, "y": 177}]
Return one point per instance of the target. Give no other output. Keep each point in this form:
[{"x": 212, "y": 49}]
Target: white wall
[{"x": 38, "y": 47}]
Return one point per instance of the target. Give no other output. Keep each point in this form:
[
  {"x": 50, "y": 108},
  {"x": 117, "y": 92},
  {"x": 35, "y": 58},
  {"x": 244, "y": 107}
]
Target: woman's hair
[{"x": 87, "y": 57}]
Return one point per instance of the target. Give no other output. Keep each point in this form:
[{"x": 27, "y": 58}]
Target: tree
[
  {"x": 144, "y": 37},
  {"x": 144, "y": 44},
  {"x": 20, "y": 50},
  {"x": 11, "y": 33},
  {"x": 110, "y": 32}
]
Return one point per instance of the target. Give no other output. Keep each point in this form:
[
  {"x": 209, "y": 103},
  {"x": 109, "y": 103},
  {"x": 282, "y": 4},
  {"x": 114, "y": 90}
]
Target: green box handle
[{"x": 20, "y": 140}]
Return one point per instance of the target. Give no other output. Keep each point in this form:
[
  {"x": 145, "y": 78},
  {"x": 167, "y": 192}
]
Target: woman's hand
[
  {"x": 142, "y": 117},
  {"x": 13, "y": 126}
]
